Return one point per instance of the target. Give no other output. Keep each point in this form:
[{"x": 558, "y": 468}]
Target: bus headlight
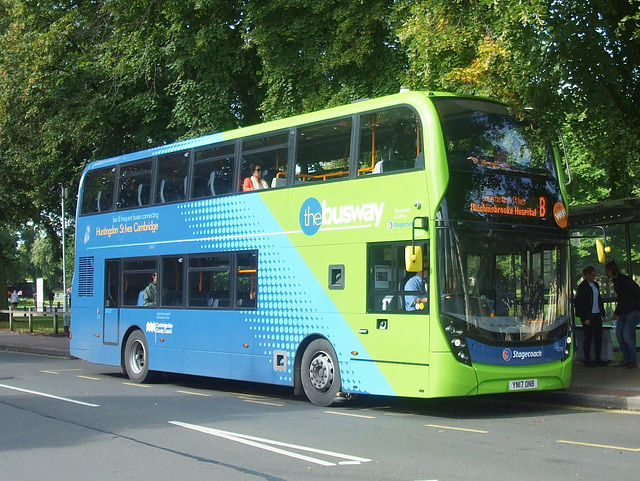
[
  {"x": 457, "y": 341},
  {"x": 567, "y": 344}
]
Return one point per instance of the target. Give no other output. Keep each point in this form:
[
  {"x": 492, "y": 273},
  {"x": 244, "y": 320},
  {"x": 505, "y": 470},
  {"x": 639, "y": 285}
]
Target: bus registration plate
[{"x": 523, "y": 384}]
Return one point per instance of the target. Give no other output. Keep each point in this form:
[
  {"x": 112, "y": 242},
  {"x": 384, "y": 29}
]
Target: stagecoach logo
[
  {"x": 314, "y": 214},
  {"x": 507, "y": 354}
]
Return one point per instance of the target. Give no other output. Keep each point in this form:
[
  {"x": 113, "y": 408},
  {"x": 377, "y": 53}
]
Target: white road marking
[
  {"x": 50, "y": 396},
  {"x": 269, "y": 445}
]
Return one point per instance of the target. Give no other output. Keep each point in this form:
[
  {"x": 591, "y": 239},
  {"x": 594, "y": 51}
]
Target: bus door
[
  {"x": 398, "y": 303},
  {"x": 111, "y": 310}
]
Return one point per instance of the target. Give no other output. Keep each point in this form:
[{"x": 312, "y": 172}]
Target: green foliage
[
  {"x": 80, "y": 81},
  {"x": 316, "y": 54},
  {"x": 576, "y": 64}
]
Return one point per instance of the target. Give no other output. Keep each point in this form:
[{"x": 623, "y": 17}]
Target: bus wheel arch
[
  {"x": 317, "y": 371},
  {"x": 135, "y": 356}
]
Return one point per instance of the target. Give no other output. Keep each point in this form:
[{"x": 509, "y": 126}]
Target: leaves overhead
[{"x": 83, "y": 80}]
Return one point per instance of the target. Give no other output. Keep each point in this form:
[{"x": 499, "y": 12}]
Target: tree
[
  {"x": 81, "y": 81},
  {"x": 318, "y": 54},
  {"x": 575, "y": 63}
]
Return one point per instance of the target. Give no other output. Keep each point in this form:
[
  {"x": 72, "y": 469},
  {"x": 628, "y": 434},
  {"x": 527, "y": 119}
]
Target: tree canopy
[{"x": 82, "y": 80}]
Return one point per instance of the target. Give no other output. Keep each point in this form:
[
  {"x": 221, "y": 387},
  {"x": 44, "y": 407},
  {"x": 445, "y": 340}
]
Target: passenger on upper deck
[{"x": 255, "y": 181}]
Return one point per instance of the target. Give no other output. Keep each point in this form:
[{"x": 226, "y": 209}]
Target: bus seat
[
  {"x": 200, "y": 188},
  {"x": 170, "y": 191},
  {"x": 278, "y": 182},
  {"x": 142, "y": 195},
  {"x": 99, "y": 202},
  {"x": 140, "y": 298},
  {"x": 211, "y": 184},
  {"x": 379, "y": 167},
  {"x": 128, "y": 198}
]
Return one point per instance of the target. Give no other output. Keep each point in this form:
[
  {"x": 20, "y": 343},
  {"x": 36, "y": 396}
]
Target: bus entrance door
[{"x": 111, "y": 311}]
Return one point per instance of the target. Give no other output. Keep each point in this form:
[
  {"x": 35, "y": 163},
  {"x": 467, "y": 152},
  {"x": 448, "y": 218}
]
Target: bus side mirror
[
  {"x": 602, "y": 251},
  {"x": 413, "y": 258}
]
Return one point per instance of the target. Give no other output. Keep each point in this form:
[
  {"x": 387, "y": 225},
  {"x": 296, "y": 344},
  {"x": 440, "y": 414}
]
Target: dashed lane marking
[
  {"x": 266, "y": 403},
  {"x": 58, "y": 371},
  {"x": 603, "y": 446},
  {"x": 451, "y": 428},
  {"x": 191, "y": 393},
  {"x": 352, "y": 415}
]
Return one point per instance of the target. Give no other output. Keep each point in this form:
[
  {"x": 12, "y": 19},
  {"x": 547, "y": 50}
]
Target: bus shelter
[{"x": 616, "y": 223}]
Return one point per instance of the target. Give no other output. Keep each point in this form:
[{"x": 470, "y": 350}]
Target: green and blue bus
[{"x": 413, "y": 245}]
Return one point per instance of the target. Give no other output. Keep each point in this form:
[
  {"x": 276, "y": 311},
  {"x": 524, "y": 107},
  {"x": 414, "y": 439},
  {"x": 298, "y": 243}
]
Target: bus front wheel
[
  {"x": 320, "y": 373},
  {"x": 136, "y": 357}
]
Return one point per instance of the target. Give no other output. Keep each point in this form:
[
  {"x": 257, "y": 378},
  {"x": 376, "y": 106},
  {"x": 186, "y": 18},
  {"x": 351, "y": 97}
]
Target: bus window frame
[{"x": 287, "y": 169}]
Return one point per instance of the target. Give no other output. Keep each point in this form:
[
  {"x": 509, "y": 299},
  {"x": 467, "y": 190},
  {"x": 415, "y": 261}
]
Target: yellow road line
[
  {"x": 457, "y": 429},
  {"x": 63, "y": 370},
  {"x": 255, "y": 401},
  {"x": 339, "y": 413},
  {"x": 135, "y": 384},
  {"x": 191, "y": 393},
  {"x": 89, "y": 377},
  {"x": 604, "y": 446}
]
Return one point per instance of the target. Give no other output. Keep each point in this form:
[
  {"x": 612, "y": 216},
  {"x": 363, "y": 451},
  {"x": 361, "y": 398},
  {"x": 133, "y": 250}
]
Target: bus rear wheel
[
  {"x": 320, "y": 373},
  {"x": 136, "y": 357}
]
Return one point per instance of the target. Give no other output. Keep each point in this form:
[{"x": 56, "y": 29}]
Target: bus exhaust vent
[{"x": 85, "y": 276}]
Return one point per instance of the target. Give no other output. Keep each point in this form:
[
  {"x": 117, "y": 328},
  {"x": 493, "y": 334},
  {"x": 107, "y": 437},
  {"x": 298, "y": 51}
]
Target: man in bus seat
[
  {"x": 417, "y": 284},
  {"x": 151, "y": 291}
]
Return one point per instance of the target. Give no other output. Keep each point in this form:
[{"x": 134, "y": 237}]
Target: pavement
[{"x": 605, "y": 387}]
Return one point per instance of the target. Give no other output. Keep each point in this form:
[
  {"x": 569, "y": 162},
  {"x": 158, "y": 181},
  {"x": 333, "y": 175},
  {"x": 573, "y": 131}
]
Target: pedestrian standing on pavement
[
  {"x": 590, "y": 309},
  {"x": 628, "y": 294},
  {"x": 14, "y": 299}
]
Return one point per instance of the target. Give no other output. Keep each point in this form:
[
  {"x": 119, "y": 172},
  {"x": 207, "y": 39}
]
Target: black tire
[
  {"x": 136, "y": 357},
  {"x": 320, "y": 373}
]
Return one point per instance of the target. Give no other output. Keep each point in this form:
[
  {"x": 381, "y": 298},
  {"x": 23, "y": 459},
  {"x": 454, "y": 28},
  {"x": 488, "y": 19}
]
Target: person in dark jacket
[
  {"x": 628, "y": 293},
  {"x": 590, "y": 309}
]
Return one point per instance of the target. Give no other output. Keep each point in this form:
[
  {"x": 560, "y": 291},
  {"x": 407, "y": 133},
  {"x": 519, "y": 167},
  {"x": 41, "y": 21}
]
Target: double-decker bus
[{"x": 413, "y": 245}]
